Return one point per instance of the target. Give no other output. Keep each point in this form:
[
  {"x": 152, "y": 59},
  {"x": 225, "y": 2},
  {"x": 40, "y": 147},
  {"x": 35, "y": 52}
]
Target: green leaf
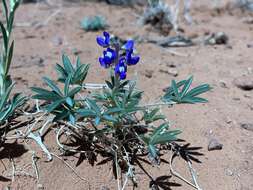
[
  {"x": 54, "y": 105},
  {"x": 113, "y": 110},
  {"x": 61, "y": 71},
  {"x": 109, "y": 84},
  {"x": 10, "y": 54},
  {"x": 70, "y": 101},
  {"x": 97, "y": 121},
  {"x": 199, "y": 90},
  {"x": 6, "y": 12},
  {"x": 152, "y": 150},
  {"x": 166, "y": 137},
  {"x": 66, "y": 86},
  {"x": 109, "y": 118},
  {"x": 72, "y": 119},
  {"x": 158, "y": 131},
  {"x": 61, "y": 115},
  {"x": 74, "y": 91},
  {"x": 5, "y": 97},
  {"x": 45, "y": 94},
  {"x": 67, "y": 64},
  {"x": 92, "y": 104},
  {"x": 186, "y": 87},
  {"x": 86, "y": 113},
  {"x": 174, "y": 87},
  {"x": 5, "y": 37},
  {"x": 52, "y": 85}
]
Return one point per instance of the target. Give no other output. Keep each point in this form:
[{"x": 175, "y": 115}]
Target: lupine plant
[
  {"x": 7, "y": 104},
  {"x": 93, "y": 23},
  {"x": 112, "y": 120}
]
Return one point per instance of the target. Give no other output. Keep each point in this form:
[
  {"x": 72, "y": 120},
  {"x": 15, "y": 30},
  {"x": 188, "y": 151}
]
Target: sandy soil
[{"x": 39, "y": 47}]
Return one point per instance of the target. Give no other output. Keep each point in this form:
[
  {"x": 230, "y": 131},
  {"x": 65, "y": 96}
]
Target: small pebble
[
  {"x": 169, "y": 71},
  {"x": 229, "y": 172},
  {"x": 247, "y": 126},
  {"x": 57, "y": 41},
  {"x": 40, "y": 186},
  {"x": 244, "y": 82},
  {"x": 223, "y": 84},
  {"x": 148, "y": 73},
  {"x": 214, "y": 144}
]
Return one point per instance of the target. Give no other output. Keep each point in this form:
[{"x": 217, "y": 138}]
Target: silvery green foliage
[
  {"x": 93, "y": 23},
  {"x": 113, "y": 122},
  {"x": 7, "y": 105},
  {"x": 160, "y": 16},
  {"x": 245, "y": 4}
]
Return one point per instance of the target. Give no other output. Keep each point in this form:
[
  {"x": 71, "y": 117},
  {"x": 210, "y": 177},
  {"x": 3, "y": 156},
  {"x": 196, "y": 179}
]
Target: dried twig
[
  {"x": 193, "y": 174},
  {"x": 13, "y": 169},
  {"x": 173, "y": 172},
  {"x": 38, "y": 140},
  {"x": 34, "y": 164}
]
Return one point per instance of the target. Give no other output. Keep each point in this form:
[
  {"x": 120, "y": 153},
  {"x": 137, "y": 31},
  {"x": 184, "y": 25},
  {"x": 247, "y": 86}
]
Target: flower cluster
[{"x": 115, "y": 56}]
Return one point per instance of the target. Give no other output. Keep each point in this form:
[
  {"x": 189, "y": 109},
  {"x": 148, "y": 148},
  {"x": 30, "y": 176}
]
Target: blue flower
[
  {"x": 105, "y": 40},
  {"x": 128, "y": 45},
  {"x": 121, "y": 68},
  {"x": 130, "y": 59},
  {"x": 109, "y": 57}
]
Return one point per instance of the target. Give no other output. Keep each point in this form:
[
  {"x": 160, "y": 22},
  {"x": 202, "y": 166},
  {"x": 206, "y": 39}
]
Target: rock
[
  {"x": 223, "y": 84},
  {"x": 228, "y": 120},
  {"x": 57, "y": 41},
  {"x": 216, "y": 38},
  {"x": 169, "y": 71},
  {"x": 250, "y": 45},
  {"x": 229, "y": 172},
  {"x": 173, "y": 72},
  {"x": 148, "y": 73},
  {"x": 247, "y": 126},
  {"x": 248, "y": 20},
  {"x": 214, "y": 144},
  {"x": 40, "y": 186},
  {"x": 244, "y": 82}
]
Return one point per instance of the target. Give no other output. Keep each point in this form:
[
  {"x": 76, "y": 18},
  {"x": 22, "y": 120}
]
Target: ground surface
[{"x": 39, "y": 47}]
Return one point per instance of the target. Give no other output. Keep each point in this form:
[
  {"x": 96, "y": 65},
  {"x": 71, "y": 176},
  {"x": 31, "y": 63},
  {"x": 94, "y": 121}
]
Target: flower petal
[
  {"x": 107, "y": 38},
  {"x": 122, "y": 75},
  {"x": 133, "y": 60},
  {"x": 129, "y": 45},
  {"x": 101, "y": 41},
  {"x": 102, "y": 63}
]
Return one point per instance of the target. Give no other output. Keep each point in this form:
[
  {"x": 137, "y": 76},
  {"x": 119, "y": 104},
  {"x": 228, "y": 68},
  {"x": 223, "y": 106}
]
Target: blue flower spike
[
  {"x": 121, "y": 68},
  {"x": 104, "y": 41},
  {"x": 109, "y": 57},
  {"x": 115, "y": 57}
]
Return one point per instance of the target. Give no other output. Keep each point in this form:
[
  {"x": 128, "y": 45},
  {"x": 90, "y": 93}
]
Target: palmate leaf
[
  {"x": 152, "y": 116},
  {"x": 181, "y": 93},
  {"x": 160, "y": 135},
  {"x": 61, "y": 104},
  {"x": 77, "y": 74}
]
